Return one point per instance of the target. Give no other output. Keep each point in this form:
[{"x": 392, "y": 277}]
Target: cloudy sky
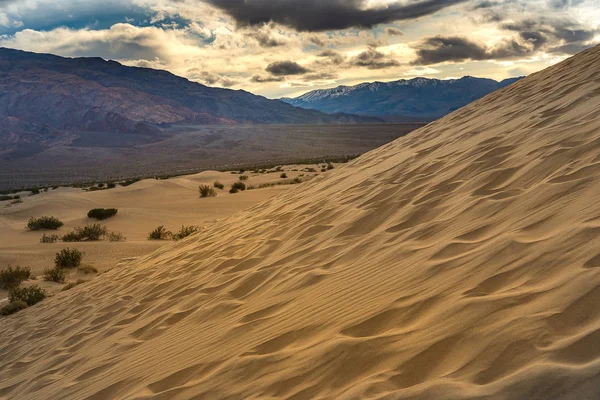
[{"x": 288, "y": 47}]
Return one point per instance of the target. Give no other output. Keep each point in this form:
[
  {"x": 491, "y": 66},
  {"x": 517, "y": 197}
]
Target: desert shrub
[
  {"x": 297, "y": 180},
  {"x": 310, "y": 170},
  {"x": 330, "y": 166},
  {"x": 35, "y": 191},
  {"x": 102, "y": 213},
  {"x": 13, "y": 307},
  {"x": 53, "y": 238},
  {"x": 283, "y": 176},
  {"x": 244, "y": 178},
  {"x": 116, "y": 237},
  {"x": 89, "y": 233},
  {"x": 206, "y": 191},
  {"x": 5, "y": 198},
  {"x": 111, "y": 185},
  {"x": 233, "y": 190},
  {"x": 50, "y": 223},
  {"x": 12, "y": 277},
  {"x": 251, "y": 187},
  {"x": 55, "y": 274},
  {"x": 185, "y": 231},
  {"x": 68, "y": 258},
  {"x": 240, "y": 186},
  {"x": 71, "y": 285},
  {"x": 101, "y": 185},
  {"x": 30, "y": 295},
  {"x": 219, "y": 185},
  {"x": 160, "y": 233},
  {"x": 87, "y": 269}
]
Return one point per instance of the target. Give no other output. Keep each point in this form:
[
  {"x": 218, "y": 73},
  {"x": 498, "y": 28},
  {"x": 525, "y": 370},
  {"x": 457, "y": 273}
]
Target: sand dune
[{"x": 458, "y": 262}]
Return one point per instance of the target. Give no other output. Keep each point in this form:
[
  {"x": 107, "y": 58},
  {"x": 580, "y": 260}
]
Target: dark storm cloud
[
  {"x": 373, "y": 59},
  {"x": 266, "y": 79},
  {"x": 285, "y": 68},
  {"x": 456, "y": 49},
  {"x": 319, "y": 15},
  {"x": 558, "y": 4}
]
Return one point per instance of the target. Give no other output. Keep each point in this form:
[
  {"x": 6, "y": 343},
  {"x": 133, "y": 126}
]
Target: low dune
[{"x": 458, "y": 262}]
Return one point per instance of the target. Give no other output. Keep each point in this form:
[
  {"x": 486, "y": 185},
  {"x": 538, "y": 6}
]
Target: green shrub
[
  {"x": 111, "y": 185},
  {"x": 219, "y": 185},
  {"x": 160, "y": 233},
  {"x": 207, "y": 191},
  {"x": 185, "y": 231},
  {"x": 87, "y": 269},
  {"x": 89, "y": 233},
  {"x": 102, "y": 213},
  {"x": 238, "y": 186},
  {"x": 283, "y": 176},
  {"x": 13, "y": 307},
  {"x": 55, "y": 274},
  {"x": 12, "y": 277},
  {"x": 53, "y": 238},
  {"x": 35, "y": 191},
  {"x": 330, "y": 166},
  {"x": 233, "y": 190},
  {"x": 30, "y": 295},
  {"x": 51, "y": 223},
  {"x": 244, "y": 178},
  {"x": 116, "y": 237},
  {"x": 71, "y": 285},
  {"x": 297, "y": 180},
  {"x": 68, "y": 258}
]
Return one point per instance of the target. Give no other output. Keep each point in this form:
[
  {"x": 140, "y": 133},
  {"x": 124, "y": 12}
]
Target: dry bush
[
  {"x": 206, "y": 191},
  {"x": 160, "y": 233},
  {"x": 11, "y": 277},
  {"x": 68, "y": 258}
]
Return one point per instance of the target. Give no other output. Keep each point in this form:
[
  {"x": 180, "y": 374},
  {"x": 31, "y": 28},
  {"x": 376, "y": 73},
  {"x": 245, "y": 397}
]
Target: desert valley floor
[{"x": 458, "y": 262}]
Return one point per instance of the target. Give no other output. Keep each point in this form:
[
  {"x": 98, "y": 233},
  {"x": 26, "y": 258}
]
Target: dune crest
[{"x": 458, "y": 262}]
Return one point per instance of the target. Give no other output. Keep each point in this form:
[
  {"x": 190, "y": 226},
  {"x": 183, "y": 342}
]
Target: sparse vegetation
[
  {"x": 87, "y": 269},
  {"x": 160, "y": 233},
  {"x": 206, "y": 191},
  {"x": 50, "y": 223},
  {"x": 13, "y": 307},
  {"x": 55, "y": 274},
  {"x": 89, "y": 233},
  {"x": 11, "y": 278},
  {"x": 35, "y": 191},
  {"x": 111, "y": 185},
  {"x": 30, "y": 295},
  {"x": 102, "y": 213},
  {"x": 185, "y": 231},
  {"x": 283, "y": 176},
  {"x": 68, "y": 258},
  {"x": 219, "y": 185},
  {"x": 297, "y": 180},
  {"x": 53, "y": 238},
  {"x": 116, "y": 237},
  {"x": 244, "y": 178},
  {"x": 237, "y": 187}
]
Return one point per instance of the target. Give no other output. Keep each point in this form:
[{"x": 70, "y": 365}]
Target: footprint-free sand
[{"x": 461, "y": 261}]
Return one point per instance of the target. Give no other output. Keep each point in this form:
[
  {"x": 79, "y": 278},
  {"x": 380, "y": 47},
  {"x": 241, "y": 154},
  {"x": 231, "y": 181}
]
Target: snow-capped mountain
[{"x": 416, "y": 98}]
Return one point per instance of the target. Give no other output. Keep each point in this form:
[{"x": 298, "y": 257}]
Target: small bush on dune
[
  {"x": 89, "y": 233},
  {"x": 68, "y": 258},
  {"x": 330, "y": 166},
  {"x": 12, "y": 277},
  {"x": 116, "y": 237},
  {"x": 219, "y": 185},
  {"x": 237, "y": 187},
  {"x": 102, "y": 213},
  {"x": 185, "y": 231},
  {"x": 111, "y": 185},
  {"x": 160, "y": 233},
  {"x": 30, "y": 295},
  {"x": 244, "y": 178},
  {"x": 206, "y": 191},
  {"x": 49, "y": 238},
  {"x": 297, "y": 180},
  {"x": 55, "y": 274},
  {"x": 283, "y": 176},
  {"x": 13, "y": 307},
  {"x": 50, "y": 223}
]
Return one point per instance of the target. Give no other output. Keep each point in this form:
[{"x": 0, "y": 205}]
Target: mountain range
[
  {"x": 419, "y": 98},
  {"x": 46, "y": 97}
]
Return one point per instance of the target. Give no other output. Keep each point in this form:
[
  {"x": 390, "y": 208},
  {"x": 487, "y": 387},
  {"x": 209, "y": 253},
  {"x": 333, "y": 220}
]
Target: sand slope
[{"x": 458, "y": 262}]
